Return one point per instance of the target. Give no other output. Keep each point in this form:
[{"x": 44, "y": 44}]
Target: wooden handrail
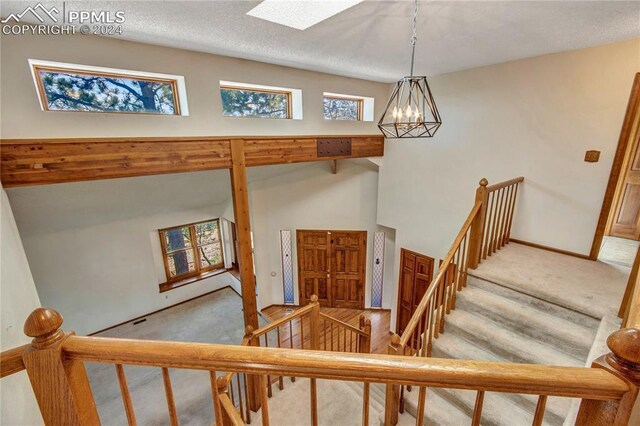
[
  {"x": 279, "y": 322},
  {"x": 574, "y": 382},
  {"x": 342, "y": 324},
  {"x": 11, "y": 360},
  {"x": 504, "y": 184},
  {"x": 415, "y": 319}
]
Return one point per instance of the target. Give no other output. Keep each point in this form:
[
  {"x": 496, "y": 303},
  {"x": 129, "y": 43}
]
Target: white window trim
[
  {"x": 296, "y": 95},
  {"x": 367, "y": 104},
  {"x": 182, "y": 89}
]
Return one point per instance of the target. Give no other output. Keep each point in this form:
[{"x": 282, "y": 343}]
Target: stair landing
[{"x": 593, "y": 288}]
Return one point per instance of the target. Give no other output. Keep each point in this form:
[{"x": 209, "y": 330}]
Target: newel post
[
  {"x": 365, "y": 341},
  {"x": 60, "y": 385},
  {"x": 477, "y": 226},
  {"x": 392, "y": 399},
  {"x": 624, "y": 362},
  {"x": 314, "y": 323}
]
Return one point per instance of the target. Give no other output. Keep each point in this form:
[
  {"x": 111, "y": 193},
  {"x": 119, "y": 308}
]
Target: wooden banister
[
  {"x": 622, "y": 362},
  {"x": 452, "y": 373},
  {"x": 440, "y": 275},
  {"x": 55, "y": 364},
  {"x": 342, "y": 324},
  {"x": 60, "y": 385},
  {"x": 504, "y": 184},
  {"x": 281, "y": 321},
  {"x": 230, "y": 416},
  {"x": 11, "y": 360}
]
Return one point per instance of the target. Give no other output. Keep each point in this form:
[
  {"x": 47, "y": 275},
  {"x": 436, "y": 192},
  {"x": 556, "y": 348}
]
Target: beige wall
[
  {"x": 533, "y": 118},
  {"x": 313, "y": 198},
  {"x": 23, "y": 118},
  {"x": 18, "y": 299}
]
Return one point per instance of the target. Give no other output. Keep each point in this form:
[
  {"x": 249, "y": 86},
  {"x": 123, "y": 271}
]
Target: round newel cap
[
  {"x": 395, "y": 339},
  {"x": 625, "y": 347},
  {"x": 313, "y": 298},
  {"x": 484, "y": 182},
  {"x": 42, "y": 322}
]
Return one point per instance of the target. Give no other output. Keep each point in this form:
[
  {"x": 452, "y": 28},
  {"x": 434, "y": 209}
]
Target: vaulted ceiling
[{"x": 371, "y": 39}]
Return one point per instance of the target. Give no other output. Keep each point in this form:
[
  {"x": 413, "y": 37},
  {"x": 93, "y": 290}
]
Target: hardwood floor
[{"x": 380, "y": 322}]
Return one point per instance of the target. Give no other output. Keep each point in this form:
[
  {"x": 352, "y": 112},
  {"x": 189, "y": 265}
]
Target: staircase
[{"x": 490, "y": 323}]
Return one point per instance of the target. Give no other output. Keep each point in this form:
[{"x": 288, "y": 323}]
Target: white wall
[
  {"x": 18, "y": 298},
  {"x": 311, "y": 198},
  {"x": 533, "y": 118},
  {"x": 202, "y": 74},
  {"x": 100, "y": 275}
]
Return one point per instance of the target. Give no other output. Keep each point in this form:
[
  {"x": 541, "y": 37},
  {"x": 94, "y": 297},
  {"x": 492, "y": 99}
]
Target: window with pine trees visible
[
  {"x": 338, "y": 108},
  {"x": 191, "y": 250},
  {"x": 255, "y": 102},
  {"x": 84, "y": 88}
]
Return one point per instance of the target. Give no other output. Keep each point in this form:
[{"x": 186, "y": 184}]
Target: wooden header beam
[{"x": 45, "y": 161}]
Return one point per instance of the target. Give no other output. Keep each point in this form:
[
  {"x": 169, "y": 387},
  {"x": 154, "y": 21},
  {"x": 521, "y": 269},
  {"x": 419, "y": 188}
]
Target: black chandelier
[{"x": 411, "y": 111}]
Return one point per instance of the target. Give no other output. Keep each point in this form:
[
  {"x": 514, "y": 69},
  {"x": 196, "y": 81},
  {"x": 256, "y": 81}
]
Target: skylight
[{"x": 300, "y": 14}]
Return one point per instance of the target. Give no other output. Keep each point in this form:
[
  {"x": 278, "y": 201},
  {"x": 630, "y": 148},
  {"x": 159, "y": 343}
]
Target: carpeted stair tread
[
  {"x": 438, "y": 411},
  {"x": 530, "y": 300},
  {"x": 497, "y": 410},
  {"x": 565, "y": 335},
  {"x": 338, "y": 404},
  {"x": 449, "y": 345},
  {"x": 512, "y": 346}
]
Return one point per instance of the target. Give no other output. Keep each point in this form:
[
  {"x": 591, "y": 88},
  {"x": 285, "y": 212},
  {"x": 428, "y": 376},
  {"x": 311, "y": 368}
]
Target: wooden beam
[
  {"x": 240, "y": 195},
  {"x": 46, "y": 161}
]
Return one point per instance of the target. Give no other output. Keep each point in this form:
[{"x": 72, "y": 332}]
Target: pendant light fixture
[{"x": 411, "y": 111}]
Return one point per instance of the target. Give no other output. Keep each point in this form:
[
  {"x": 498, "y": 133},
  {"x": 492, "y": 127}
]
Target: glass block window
[
  {"x": 378, "y": 270},
  {"x": 67, "y": 87},
  {"x": 192, "y": 249}
]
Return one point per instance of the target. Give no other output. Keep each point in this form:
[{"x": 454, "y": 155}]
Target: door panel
[
  {"x": 415, "y": 276},
  {"x": 314, "y": 249},
  {"x": 331, "y": 265},
  {"x": 626, "y": 221},
  {"x": 348, "y": 268}
]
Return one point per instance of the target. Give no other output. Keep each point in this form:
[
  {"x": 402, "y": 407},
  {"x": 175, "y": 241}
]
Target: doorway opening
[{"x": 618, "y": 230}]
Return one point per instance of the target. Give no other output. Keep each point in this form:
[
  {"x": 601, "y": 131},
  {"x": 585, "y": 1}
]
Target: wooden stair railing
[
  {"x": 305, "y": 328},
  {"x": 55, "y": 364},
  {"x": 486, "y": 230}
]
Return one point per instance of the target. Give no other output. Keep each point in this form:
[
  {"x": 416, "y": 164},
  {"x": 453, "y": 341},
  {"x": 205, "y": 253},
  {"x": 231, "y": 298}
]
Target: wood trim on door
[
  {"x": 633, "y": 108},
  {"x": 411, "y": 271},
  {"x": 325, "y": 257}
]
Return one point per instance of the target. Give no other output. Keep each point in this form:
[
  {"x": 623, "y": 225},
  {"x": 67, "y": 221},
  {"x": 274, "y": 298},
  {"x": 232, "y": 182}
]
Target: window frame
[
  {"x": 286, "y": 93},
  {"x": 360, "y": 102},
  {"x": 199, "y": 270},
  {"x": 177, "y": 84}
]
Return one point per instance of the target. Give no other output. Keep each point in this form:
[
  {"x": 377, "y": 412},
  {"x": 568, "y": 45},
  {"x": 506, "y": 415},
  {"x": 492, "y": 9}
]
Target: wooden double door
[
  {"x": 416, "y": 273},
  {"x": 331, "y": 265}
]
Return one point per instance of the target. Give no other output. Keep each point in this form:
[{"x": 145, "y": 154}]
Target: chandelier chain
[{"x": 414, "y": 37}]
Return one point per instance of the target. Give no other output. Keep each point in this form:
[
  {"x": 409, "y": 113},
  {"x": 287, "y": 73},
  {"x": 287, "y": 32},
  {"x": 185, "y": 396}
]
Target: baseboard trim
[
  {"x": 553, "y": 249},
  {"x": 163, "y": 309}
]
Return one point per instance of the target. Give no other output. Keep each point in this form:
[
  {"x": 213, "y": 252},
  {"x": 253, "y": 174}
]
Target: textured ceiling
[{"x": 371, "y": 39}]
